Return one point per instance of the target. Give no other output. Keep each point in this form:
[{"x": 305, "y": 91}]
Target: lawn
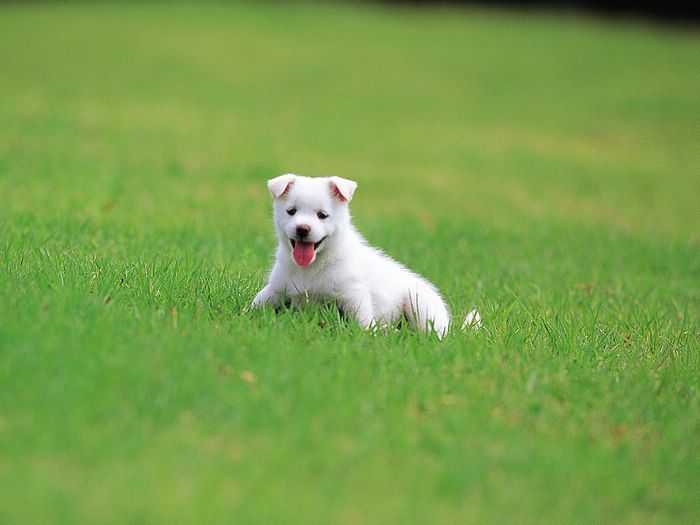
[{"x": 542, "y": 167}]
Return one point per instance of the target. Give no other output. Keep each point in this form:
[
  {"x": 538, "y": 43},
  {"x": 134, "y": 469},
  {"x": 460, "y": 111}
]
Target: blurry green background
[{"x": 541, "y": 166}]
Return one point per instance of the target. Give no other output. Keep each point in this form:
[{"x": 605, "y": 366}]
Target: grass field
[{"x": 544, "y": 168}]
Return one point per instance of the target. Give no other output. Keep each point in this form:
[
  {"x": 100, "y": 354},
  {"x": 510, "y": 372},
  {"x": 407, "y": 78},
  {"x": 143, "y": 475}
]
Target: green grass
[{"x": 544, "y": 168}]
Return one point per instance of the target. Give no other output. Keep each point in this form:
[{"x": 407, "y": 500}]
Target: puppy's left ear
[
  {"x": 281, "y": 185},
  {"x": 342, "y": 188}
]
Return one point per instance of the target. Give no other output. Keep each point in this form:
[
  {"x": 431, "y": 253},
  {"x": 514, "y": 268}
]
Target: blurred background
[{"x": 501, "y": 114}]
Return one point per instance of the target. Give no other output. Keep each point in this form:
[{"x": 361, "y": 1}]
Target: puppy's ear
[
  {"x": 342, "y": 188},
  {"x": 281, "y": 185}
]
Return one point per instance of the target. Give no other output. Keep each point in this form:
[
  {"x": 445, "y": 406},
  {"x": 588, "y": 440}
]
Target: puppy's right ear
[{"x": 279, "y": 186}]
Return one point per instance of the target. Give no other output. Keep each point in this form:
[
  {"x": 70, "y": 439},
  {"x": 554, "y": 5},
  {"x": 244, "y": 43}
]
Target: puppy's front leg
[
  {"x": 268, "y": 295},
  {"x": 359, "y": 302}
]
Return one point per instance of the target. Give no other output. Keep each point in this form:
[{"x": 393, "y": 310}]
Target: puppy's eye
[
  {"x": 291, "y": 211},
  {"x": 322, "y": 215}
]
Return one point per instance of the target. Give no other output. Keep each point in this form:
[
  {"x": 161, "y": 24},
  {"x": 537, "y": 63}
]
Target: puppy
[{"x": 321, "y": 256}]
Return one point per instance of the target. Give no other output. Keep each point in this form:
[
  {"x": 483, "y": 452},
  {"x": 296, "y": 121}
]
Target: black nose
[{"x": 303, "y": 230}]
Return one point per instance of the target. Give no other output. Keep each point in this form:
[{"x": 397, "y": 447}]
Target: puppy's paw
[{"x": 265, "y": 296}]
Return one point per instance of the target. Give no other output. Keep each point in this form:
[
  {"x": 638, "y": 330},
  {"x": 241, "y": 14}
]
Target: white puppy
[{"x": 321, "y": 256}]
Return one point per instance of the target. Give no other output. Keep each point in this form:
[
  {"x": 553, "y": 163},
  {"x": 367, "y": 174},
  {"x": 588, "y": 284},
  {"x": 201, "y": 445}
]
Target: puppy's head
[{"x": 310, "y": 213}]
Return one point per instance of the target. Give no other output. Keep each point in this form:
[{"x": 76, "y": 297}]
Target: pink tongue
[{"x": 303, "y": 253}]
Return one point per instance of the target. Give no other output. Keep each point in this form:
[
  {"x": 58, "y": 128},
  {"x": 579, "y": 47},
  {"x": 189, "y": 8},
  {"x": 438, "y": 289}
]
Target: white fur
[
  {"x": 363, "y": 281},
  {"x": 472, "y": 320}
]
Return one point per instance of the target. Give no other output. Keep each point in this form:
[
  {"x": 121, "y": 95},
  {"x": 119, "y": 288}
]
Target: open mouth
[
  {"x": 304, "y": 252},
  {"x": 316, "y": 244}
]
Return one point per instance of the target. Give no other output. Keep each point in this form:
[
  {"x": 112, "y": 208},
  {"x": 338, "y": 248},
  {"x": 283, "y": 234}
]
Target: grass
[{"x": 541, "y": 167}]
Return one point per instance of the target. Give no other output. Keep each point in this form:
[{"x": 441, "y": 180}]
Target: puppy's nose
[{"x": 303, "y": 230}]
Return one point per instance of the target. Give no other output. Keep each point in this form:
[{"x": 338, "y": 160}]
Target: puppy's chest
[{"x": 314, "y": 285}]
